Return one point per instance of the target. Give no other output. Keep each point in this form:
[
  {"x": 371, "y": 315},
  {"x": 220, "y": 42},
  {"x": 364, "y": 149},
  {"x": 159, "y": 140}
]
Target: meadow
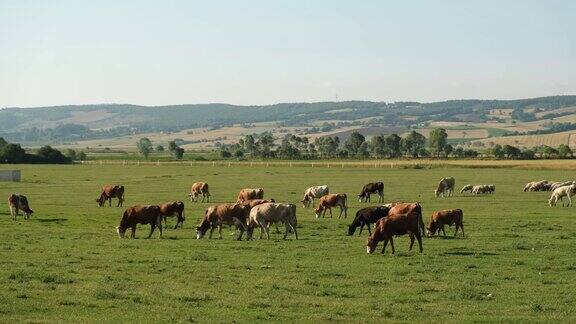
[{"x": 66, "y": 264}]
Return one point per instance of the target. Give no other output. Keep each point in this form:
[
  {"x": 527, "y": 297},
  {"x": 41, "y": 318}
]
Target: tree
[
  {"x": 414, "y": 144},
  {"x": 159, "y": 148},
  {"x": 287, "y": 150},
  {"x": 511, "y": 152},
  {"x": 172, "y": 146},
  {"x": 377, "y": 146},
  {"x": 47, "y": 154},
  {"x": 71, "y": 154},
  {"x": 497, "y": 151},
  {"x": 179, "y": 153},
  {"x": 438, "y": 140},
  {"x": 354, "y": 143},
  {"x": 327, "y": 146},
  {"x": 564, "y": 151},
  {"x": 265, "y": 143},
  {"x": 13, "y": 153},
  {"x": 392, "y": 145},
  {"x": 249, "y": 145},
  {"x": 81, "y": 156},
  {"x": 144, "y": 147}
]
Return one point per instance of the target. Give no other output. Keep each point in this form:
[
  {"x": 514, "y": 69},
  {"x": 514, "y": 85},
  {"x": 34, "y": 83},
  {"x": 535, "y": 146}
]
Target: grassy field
[{"x": 516, "y": 262}]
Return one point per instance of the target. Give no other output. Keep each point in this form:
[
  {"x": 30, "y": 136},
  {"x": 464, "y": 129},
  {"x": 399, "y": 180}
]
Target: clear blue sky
[{"x": 260, "y": 52}]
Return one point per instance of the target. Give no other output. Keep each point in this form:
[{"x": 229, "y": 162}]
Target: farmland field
[{"x": 516, "y": 262}]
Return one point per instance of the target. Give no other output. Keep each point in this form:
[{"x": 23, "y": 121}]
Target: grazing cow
[
  {"x": 445, "y": 187},
  {"x": 249, "y": 194},
  {"x": 217, "y": 215},
  {"x": 367, "y": 216},
  {"x": 480, "y": 189},
  {"x": 466, "y": 188},
  {"x": 370, "y": 188},
  {"x": 268, "y": 213},
  {"x": 109, "y": 192},
  {"x": 140, "y": 214},
  {"x": 199, "y": 188},
  {"x": 409, "y": 208},
  {"x": 332, "y": 200},
  {"x": 559, "y": 193},
  {"x": 172, "y": 208},
  {"x": 314, "y": 192},
  {"x": 491, "y": 188},
  {"x": 18, "y": 202},
  {"x": 445, "y": 217},
  {"x": 399, "y": 224}
]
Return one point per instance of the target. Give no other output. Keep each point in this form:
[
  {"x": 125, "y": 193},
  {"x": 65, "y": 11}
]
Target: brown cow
[
  {"x": 199, "y": 188},
  {"x": 17, "y": 203},
  {"x": 332, "y": 200},
  {"x": 408, "y": 208},
  {"x": 445, "y": 217},
  {"x": 255, "y": 202},
  {"x": 249, "y": 194},
  {"x": 140, "y": 214},
  {"x": 172, "y": 208},
  {"x": 215, "y": 216},
  {"x": 109, "y": 192},
  {"x": 398, "y": 224}
]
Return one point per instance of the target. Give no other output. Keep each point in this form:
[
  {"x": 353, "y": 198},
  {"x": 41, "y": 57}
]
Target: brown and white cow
[
  {"x": 18, "y": 202},
  {"x": 445, "y": 187},
  {"x": 223, "y": 214},
  {"x": 446, "y": 217},
  {"x": 408, "y": 208},
  {"x": 371, "y": 188},
  {"x": 249, "y": 194},
  {"x": 199, "y": 188},
  {"x": 140, "y": 214},
  {"x": 332, "y": 200},
  {"x": 314, "y": 192},
  {"x": 399, "y": 224},
  {"x": 272, "y": 213},
  {"x": 173, "y": 208},
  {"x": 109, "y": 192}
]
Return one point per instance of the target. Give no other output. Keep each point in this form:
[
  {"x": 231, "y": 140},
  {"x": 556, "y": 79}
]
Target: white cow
[
  {"x": 445, "y": 187},
  {"x": 268, "y": 213},
  {"x": 559, "y": 193},
  {"x": 314, "y": 192}
]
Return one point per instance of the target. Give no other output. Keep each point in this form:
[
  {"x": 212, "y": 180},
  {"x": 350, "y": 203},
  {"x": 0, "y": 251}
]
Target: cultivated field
[{"x": 516, "y": 262}]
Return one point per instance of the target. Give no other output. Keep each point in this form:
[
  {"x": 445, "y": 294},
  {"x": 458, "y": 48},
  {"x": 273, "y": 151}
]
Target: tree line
[
  {"x": 357, "y": 146},
  {"x": 15, "y": 154}
]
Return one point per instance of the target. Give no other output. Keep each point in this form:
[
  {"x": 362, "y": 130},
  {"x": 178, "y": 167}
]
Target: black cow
[
  {"x": 370, "y": 188},
  {"x": 367, "y": 216}
]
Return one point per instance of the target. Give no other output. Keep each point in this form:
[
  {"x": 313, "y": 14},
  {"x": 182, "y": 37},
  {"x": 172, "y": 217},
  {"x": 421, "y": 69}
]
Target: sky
[{"x": 270, "y": 51}]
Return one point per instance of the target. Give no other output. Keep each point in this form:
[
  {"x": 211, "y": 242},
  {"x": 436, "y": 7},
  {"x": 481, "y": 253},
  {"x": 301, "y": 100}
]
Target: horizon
[{"x": 66, "y": 53}]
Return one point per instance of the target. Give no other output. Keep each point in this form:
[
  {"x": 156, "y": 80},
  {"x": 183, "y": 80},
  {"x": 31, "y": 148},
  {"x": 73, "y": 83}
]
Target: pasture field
[{"x": 66, "y": 264}]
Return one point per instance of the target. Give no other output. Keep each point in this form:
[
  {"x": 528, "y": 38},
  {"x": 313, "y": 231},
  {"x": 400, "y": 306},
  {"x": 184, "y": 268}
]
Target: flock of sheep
[{"x": 559, "y": 190}]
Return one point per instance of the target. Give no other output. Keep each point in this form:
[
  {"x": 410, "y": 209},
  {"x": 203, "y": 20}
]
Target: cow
[
  {"x": 18, "y": 202},
  {"x": 445, "y": 217},
  {"x": 109, "y": 192},
  {"x": 367, "y": 216},
  {"x": 398, "y": 224},
  {"x": 409, "y": 208},
  {"x": 199, "y": 188},
  {"x": 314, "y": 192},
  {"x": 491, "y": 188},
  {"x": 445, "y": 187},
  {"x": 249, "y": 194},
  {"x": 268, "y": 213},
  {"x": 332, "y": 200},
  {"x": 466, "y": 188},
  {"x": 172, "y": 208},
  {"x": 140, "y": 214},
  {"x": 227, "y": 214},
  {"x": 559, "y": 193},
  {"x": 370, "y": 188},
  {"x": 480, "y": 189}
]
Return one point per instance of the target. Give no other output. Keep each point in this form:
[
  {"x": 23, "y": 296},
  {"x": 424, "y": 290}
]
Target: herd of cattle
[{"x": 252, "y": 211}]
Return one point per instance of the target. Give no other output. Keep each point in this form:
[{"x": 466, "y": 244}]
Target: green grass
[
  {"x": 67, "y": 263},
  {"x": 496, "y": 132}
]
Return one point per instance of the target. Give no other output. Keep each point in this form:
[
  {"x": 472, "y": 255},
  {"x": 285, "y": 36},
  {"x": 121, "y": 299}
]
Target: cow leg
[
  {"x": 361, "y": 228},
  {"x": 264, "y": 227},
  {"x": 368, "y": 226},
  {"x": 462, "y": 227},
  {"x": 443, "y": 231},
  {"x": 211, "y": 231},
  {"x": 286, "y": 230},
  {"x": 133, "y": 235},
  {"x": 110, "y": 202},
  {"x": 384, "y": 247},
  {"x": 419, "y": 238},
  {"x": 330, "y": 209},
  {"x": 293, "y": 226},
  {"x": 160, "y": 227},
  {"x": 220, "y": 231},
  {"x": 569, "y": 200},
  {"x": 152, "y": 227},
  {"x": 411, "y": 241}
]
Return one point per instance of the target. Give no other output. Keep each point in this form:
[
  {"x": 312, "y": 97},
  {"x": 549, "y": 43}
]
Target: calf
[
  {"x": 445, "y": 217},
  {"x": 18, "y": 202},
  {"x": 332, "y": 200},
  {"x": 399, "y": 224},
  {"x": 367, "y": 216},
  {"x": 445, "y": 187},
  {"x": 249, "y": 194},
  {"x": 370, "y": 188},
  {"x": 172, "y": 208},
  {"x": 314, "y": 192},
  {"x": 199, "y": 188},
  {"x": 409, "y": 208},
  {"x": 561, "y": 192},
  {"x": 109, "y": 192},
  {"x": 140, "y": 214},
  {"x": 265, "y": 214},
  {"x": 217, "y": 215}
]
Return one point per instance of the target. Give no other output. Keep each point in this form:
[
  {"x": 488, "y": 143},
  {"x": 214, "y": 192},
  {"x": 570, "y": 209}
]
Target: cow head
[
  {"x": 121, "y": 231},
  {"x": 351, "y": 230},
  {"x": 100, "y": 200},
  {"x": 24, "y": 205},
  {"x": 199, "y": 232},
  {"x": 371, "y": 245},
  {"x": 305, "y": 201},
  {"x": 437, "y": 193},
  {"x": 318, "y": 211}
]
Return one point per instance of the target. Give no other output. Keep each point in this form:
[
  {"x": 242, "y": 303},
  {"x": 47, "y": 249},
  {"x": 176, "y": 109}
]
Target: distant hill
[{"x": 87, "y": 122}]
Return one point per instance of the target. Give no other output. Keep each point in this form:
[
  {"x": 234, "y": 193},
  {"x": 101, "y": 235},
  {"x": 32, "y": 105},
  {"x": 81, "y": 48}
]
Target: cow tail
[{"x": 421, "y": 221}]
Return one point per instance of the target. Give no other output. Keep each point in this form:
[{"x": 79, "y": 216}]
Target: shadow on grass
[
  {"x": 50, "y": 220},
  {"x": 469, "y": 253}
]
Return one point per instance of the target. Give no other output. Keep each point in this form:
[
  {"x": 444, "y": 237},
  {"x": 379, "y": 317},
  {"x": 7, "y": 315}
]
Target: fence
[{"x": 10, "y": 175}]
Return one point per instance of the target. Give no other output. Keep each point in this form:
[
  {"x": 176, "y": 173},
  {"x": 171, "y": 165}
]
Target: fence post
[
  {"x": 158, "y": 162},
  {"x": 312, "y": 164},
  {"x": 138, "y": 162},
  {"x": 213, "y": 163}
]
